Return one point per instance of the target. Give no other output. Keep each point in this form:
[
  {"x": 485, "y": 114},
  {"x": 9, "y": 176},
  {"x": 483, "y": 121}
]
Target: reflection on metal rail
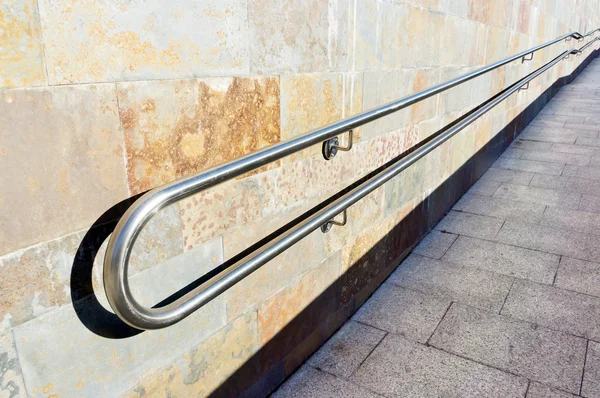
[{"x": 119, "y": 248}]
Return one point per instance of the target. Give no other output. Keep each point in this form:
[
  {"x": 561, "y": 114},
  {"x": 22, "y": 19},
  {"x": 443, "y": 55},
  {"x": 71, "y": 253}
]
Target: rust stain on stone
[{"x": 213, "y": 125}]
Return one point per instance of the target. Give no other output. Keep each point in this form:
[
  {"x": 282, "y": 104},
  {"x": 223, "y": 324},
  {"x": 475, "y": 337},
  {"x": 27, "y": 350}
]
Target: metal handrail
[{"x": 119, "y": 248}]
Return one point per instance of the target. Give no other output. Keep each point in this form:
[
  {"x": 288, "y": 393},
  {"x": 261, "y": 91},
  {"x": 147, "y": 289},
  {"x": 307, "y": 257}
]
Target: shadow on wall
[{"x": 286, "y": 351}]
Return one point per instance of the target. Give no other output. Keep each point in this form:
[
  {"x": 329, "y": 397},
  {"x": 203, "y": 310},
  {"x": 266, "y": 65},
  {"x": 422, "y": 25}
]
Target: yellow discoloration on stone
[
  {"x": 48, "y": 388},
  {"x": 208, "y": 365},
  {"x": 100, "y": 41},
  {"x": 311, "y": 101},
  {"x": 176, "y": 128},
  {"x": 21, "y": 63}
]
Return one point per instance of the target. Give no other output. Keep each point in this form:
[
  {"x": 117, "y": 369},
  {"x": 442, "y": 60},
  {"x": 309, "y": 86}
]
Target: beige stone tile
[
  {"x": 410, "y": 30},
  {"x": 365, "y": 52},
  {"x": 99, "y": 41},
  {"x": 233, "y": 203},
  {"x": 355, "y": 250},
  {"x": 298, "y": 36},
  {"x": 360, "y": 217},
  {"x": 380, "y": 88},
  {"x": 293, "y": 183},
  {"x": 281, "y": 308},
  {"x": 457, "y": 99},
  {"x": 454, "y": 7},
  {"x": 36, "y": 280},
  {"x": 42, "y": 278},
  {"x": 179, "y": 127},
  {"x": 311, "y": 101},
  {"x": 405, "y": 189},
  {"x": 201, "y": 371},
  {"x": 94, "y": 365},
  {"x": 21, "y": 58},
  {"x": 486, "y": 12},
  {"x": 275, "y": 274},
  {"x": 458, "y": 31},
  {"x": 11, "y": 378},
  {"x": 63, "y": 150},
  {"x": 426, "y": 109}
]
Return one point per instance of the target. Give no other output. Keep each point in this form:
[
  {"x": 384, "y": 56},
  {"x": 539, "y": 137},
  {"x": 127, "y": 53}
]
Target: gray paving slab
[
  {"x": 544, "y": 137},
  {"x": 504, "y": 259},
  {"x": 547, "y": 197},
  {"x": 448, "y": 281},
  {"x": 532, "y": 166},
  {"x": 470, "y": 225},
  {"x": 589, "y": 125},
  {"x": 347, "y": 349},
  {"x": 512, "y": 152},
  {"x": 591, "y": 376},
  {"x": 589, "y": 172},
  {"x": 594, "y": 160},
  {"x": 500, "y": 208},
  {"x": 556, "y": 157},
  {"x": 586, "y": 141},
  {"x": 508, "y": 176},
  {"x": 550, "y": 240},
  {"x": 575, "y": 149},
  {"x": 402, "y": 368},
  {"x": 435, "y": 244},
  {"x": 557, "y": 309},
  {"x": 556, "y": 131},
  {"x": 575, "y": 220},
  {"x": 570, "y": 184},
  {"x": 532, "y": 145},
  {"x": 556, "y": 122},
  {"x": 579, "y": 276},
  {"x": 484, "y": 187},
  {"x": 537, "y": 390},
  {"x": 310, "y": 382},
  {"x": 549, "y": 182},
  {"x": 549, "y": 357},
  {"x": 401, "y": 311},
  {"x": 590, "y": 203}
]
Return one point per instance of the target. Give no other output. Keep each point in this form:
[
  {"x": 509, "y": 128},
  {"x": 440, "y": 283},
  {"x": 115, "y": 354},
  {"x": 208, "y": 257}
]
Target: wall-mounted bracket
[
  {"x": 332, "y": 146},
  {"x": 327, "y": 226},
  {"x": 526, "y": 59},
  {"x": 524, "y": 87}
]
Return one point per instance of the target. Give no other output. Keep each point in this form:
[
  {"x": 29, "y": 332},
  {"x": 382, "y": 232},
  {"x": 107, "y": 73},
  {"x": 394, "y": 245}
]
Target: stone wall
[{"x": 101, "y": 101}]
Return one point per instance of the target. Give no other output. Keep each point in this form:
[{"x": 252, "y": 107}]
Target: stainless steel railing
[{"x": 119, "y": 248}]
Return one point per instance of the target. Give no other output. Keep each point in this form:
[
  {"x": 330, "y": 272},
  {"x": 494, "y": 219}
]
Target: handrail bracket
[
  {"x": 526, "y": 59},
  {"x": 332, "y": 146},
  {"x": 327, "y": 226}
]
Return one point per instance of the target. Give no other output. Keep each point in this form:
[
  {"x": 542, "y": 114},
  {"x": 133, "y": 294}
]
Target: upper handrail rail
[{"x": 121, "y": 242}]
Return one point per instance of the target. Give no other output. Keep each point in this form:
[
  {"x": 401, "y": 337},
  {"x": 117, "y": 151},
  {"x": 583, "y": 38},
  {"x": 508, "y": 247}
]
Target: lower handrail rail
[{"x": 119, "y": 248}]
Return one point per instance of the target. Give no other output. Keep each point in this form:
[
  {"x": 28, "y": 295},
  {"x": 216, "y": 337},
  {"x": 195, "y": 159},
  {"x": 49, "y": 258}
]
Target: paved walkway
[{"x": 502, "y": 298}]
